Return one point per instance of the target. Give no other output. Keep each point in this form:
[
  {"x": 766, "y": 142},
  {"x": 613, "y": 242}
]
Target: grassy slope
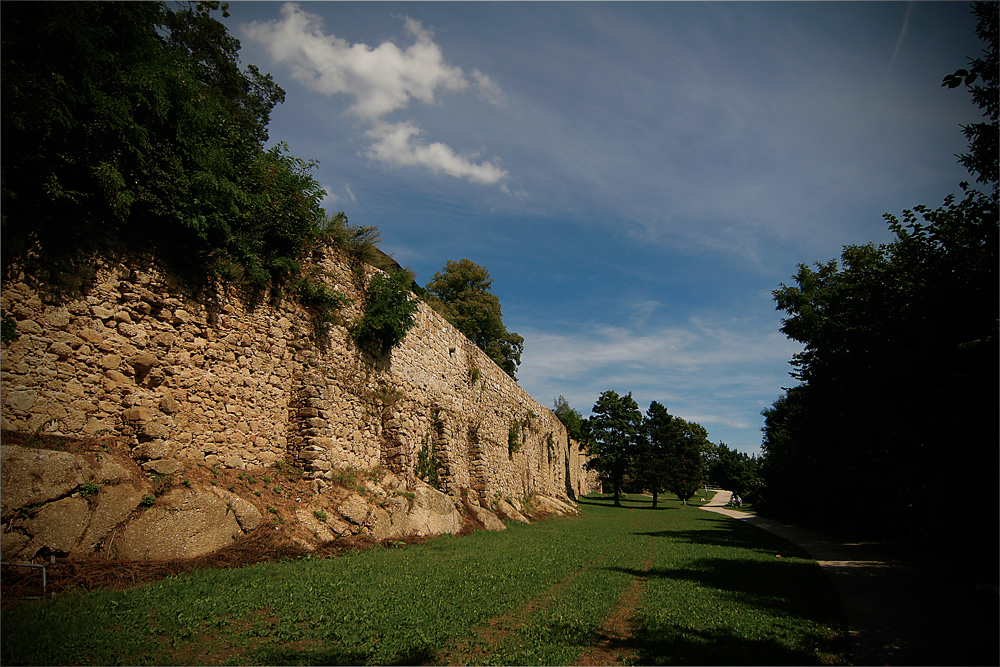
[{"x": 691, "y": 587}]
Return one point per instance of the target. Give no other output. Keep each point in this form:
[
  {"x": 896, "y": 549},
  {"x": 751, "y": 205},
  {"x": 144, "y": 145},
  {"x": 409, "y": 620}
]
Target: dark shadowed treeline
[{"x": 894, "y": 425}]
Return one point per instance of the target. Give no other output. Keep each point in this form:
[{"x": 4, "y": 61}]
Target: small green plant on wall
[
  {"x": 514, "y": 438},
  {"x": 427, "y": 465},
  {"x": 389, "y": 312}
]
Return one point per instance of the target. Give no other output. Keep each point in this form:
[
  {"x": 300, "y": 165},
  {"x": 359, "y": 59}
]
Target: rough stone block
[
  {"x": 110, "y": 361},
  {"x": 22, "y": 401},
  {"x": 154, "y": 430},
  {"x": 156, "y": 449},
  {"x": 140, "y": 415},
  {"x": 58, "y": 525},
  {"x": 29, "y": 476},
  {"x": 162, "y": 466}
]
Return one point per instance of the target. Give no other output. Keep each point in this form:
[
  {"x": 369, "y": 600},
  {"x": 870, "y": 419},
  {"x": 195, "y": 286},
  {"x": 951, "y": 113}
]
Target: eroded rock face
[
  {"x": 112, "y": 506},
  {"x": 58, "y": 525},
  {"x": 555, "y": 506},
  {"x": 486, "y": 517},
  {"x": 432, "y": 513},
  {"x": 75, "y": 503},
  {"x": 506, "y": 511},
  {"x": 31, "y": 476},
  {"x": 182, "y": 524}
]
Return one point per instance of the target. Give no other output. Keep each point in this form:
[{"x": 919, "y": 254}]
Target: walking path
[{"x": 897, "y": 614}]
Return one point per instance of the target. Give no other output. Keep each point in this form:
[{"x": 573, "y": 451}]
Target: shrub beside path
[{"x": 897, "y": 613}]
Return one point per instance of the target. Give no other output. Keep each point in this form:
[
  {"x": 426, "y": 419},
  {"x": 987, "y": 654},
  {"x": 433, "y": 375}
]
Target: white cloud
[
  {"x": 332, "y": 197},
  {"x": 381, "y": 80},
  {"x": 717, "y": 373},
  {"x": 400, "y": 145},
  {"x": 488, "y": 89}
]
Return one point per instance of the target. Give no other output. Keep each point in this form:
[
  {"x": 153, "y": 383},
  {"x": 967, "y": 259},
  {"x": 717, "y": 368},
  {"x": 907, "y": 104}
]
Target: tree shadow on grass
[
  {"x": 626, "y": 503},
  {"x": 731, "y": 539},
  {"x": 783, "y": 586},
  {"x": 667, "y": 645},
  {"x": 729, "y": 533},
  {"x": 289, "y": 655}
]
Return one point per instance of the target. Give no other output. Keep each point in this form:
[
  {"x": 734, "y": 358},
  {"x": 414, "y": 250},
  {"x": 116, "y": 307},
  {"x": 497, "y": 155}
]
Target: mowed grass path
[{"x": 675, "y": 585}]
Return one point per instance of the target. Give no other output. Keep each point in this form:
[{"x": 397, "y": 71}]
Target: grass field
[{"x": 675, "y": 585}]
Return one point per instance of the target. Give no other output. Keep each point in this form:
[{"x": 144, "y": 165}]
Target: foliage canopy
[
  {"x": 461, "y": 292},
  {"x": 612, "y": 433},
  {"x": 899, "y": 368},
  {"x": 134, "y": 123},
  {"x": 388, "y": 313}
]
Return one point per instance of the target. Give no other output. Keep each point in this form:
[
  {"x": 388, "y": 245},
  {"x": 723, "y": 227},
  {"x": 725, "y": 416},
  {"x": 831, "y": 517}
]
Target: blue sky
[{"x": 636, "y": 177}]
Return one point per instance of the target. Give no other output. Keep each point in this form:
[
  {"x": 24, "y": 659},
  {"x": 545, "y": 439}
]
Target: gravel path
[{"x": 897, "y": 614}]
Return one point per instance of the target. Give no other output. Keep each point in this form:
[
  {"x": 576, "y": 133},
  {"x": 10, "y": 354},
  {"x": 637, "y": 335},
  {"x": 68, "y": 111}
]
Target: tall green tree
[
  {"x": 686, "y": 473},
  {"x": 653, "y": 461},
  {"x": 461, "y": 292},
  {"x": 899, "y": 367},
  {"x": 611, "y": 436}
]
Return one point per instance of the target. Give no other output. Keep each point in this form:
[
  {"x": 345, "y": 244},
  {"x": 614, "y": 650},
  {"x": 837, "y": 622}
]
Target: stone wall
[{"x": 188, "y": 372}]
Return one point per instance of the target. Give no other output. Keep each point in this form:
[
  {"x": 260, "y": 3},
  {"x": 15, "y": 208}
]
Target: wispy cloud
[
  {"x": 380, "y": 80},
  {"x": 400, "y": 145},
  {"x": 900, "y": 39}
]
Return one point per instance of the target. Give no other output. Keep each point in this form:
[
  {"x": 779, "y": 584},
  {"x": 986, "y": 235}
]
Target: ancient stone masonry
[{"x": 191, "y": 374}]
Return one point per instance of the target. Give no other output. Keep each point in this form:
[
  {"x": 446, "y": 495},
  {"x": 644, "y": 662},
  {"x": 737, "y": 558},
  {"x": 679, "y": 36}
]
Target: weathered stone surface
[
  {"x": 137, "y": 415},
  {"x": 163, "y": 466},
  {"x": 154, "y": 449},
  {"x": 321, "y": 530},
  {"x": 144, "y": 362},
  {"x": 114, "y": 504},
  {"x": 507, "y": 511},
  {"x": 22, "y": 401},
  {"x": 155, "y": 430},
  {"x": 61, "y": 350},
  {"x": 168, "y": 404},
  {"x": 355, "y": 509},
  {"x": 248, "y": 516},
  {"x": 379, "y": 524},
  {"x": 432, "y": 513},
  {"x": 486, "y": 517},
  {"x": 554, "y": 506},
  {"x": 30, "y": 476},
  {"x": 11, "y": 544},
  {"x": 183, "y": 523},
  {"x": 110, "y": 471},
  {"x": 58, "y": 526},
  {"x": 57, "y": 318}
]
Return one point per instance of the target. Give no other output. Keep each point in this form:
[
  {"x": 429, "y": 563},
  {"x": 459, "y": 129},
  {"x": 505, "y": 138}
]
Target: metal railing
[{"x": 45, "y": 580}]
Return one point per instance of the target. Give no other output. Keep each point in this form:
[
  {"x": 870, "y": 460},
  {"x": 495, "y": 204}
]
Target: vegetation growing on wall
[
  {"x": 134, "y": 125},
  {"x": 428, "y": 464},
  {"x": 571, "y": 419},
  {"x": 514, "y": 438},
  {"x": 389, "y": 311}
]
